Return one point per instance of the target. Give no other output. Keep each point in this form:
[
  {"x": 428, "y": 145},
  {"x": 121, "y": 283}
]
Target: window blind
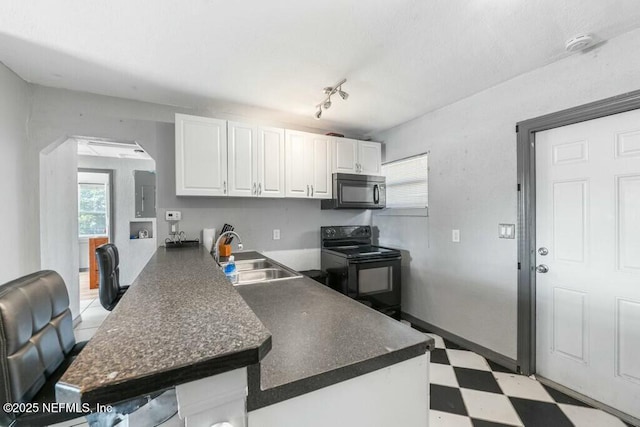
[{"x": 407, "y": 183}]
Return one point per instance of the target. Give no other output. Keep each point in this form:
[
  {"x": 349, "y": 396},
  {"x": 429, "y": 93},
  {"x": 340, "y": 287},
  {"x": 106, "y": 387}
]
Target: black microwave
[{"x": 353, "y": 191}]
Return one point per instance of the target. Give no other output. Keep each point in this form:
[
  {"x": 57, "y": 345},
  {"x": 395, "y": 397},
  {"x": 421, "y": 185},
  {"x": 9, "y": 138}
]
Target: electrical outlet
[
  {"x": 455, "y": 236},
  {"x": 276, "y": 234}
]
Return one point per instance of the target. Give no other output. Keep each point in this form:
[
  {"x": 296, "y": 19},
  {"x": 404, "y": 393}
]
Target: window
[
  {"x": 407, "y": 183},
  {"x": 93, "y": 218}
]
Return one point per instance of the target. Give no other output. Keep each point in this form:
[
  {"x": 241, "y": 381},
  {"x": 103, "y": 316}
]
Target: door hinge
[
  {"x": 517, "y": 128},
  {"x": 519, "y": 266},
  {"x": 518, "y": 187}
]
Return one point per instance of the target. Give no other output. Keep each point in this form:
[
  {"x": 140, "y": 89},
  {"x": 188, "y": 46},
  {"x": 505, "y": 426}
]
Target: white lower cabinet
[
  {"x": 307, "y": 165},
  {"x": 397, "y": 395}
]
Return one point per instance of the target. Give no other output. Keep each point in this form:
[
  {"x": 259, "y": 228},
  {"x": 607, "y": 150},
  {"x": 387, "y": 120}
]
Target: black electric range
[{"x": 368, "y": 273}]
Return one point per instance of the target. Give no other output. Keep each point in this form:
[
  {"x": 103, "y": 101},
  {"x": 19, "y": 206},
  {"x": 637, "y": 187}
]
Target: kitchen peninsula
[{"x": 280, "y": 350}]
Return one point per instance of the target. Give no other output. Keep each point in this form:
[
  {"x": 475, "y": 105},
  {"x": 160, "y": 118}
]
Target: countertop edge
[
  {"x": 258, "y": 398},
  {"x": 163, "y": 380}
]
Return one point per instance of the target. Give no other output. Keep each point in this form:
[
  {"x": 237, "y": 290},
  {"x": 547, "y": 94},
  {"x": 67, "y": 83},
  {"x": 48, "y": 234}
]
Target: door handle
[
  {"x": 542, "y": 268},
  {"x": 376, "y": 194},
  {"x": 312, "y": 191},
  {"x": 543, "y": 251},
  {"x": 259, "y": 189}
]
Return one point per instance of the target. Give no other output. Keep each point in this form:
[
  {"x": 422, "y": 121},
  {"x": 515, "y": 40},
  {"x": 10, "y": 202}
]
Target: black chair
[
  {"x": 109, "y": 267},
  {"x": 37, "y": 345}
]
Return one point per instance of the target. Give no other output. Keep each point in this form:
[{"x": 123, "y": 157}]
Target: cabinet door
[
  {"x": 321, "y": 178},
  {"x": 201, "y": 156},
  {"x": 242, "y": 159},
  {"x": 270, "y": 162},
  {"x": 370, "y": 158},
  {"x": 298, "y": 164},
  {"x": 345, "y": 155}
]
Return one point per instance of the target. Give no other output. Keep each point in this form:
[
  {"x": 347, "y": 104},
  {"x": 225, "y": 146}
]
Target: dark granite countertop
[
  {"x": 320, "y": 337},
  {"x": 180, "y": 321}
]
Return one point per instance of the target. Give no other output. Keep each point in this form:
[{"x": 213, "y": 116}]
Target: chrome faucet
[{"x": 216, "y": 249}]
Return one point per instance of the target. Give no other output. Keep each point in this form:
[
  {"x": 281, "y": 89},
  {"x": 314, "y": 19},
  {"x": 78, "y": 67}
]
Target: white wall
[
  {"x": 469, "y": 288},
  {"x": 134, "y": 254},
  {"x": 58, "y": 216},
  {"x": 19, "y": 254}
]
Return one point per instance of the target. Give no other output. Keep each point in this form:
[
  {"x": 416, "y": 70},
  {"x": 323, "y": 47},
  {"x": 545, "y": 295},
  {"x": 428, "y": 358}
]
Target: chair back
[
  {"x": 36, "y": 333},
  {"x": 109, "y": 268}
]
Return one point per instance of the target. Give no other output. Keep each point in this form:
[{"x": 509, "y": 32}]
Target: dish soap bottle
[{"x": 230, "y": 270}]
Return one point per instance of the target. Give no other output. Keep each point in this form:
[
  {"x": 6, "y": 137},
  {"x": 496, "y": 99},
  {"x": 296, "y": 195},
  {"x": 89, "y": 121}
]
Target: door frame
[{"x": 526, "y": 145}]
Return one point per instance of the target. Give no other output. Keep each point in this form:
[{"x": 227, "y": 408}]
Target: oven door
[{"x": 376, "y": 282}]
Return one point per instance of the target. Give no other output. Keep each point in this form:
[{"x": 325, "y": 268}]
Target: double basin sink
[{"x": 261, "y": 270}]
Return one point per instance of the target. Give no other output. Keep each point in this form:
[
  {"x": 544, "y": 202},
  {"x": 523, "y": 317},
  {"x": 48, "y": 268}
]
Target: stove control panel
[{"x": 346, "y": 232}]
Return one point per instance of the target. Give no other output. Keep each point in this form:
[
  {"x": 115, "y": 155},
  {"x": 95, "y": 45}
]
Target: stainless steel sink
[
  {"x": 261, "y": 270},
  {"x": 264, "y": 275},
  {"x": 253, "y": 264}
]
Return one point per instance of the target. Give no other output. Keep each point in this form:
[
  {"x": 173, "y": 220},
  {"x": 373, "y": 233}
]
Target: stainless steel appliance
[
  {"x": 360, "y": 270},
  {"x": 352, "y": 191}
]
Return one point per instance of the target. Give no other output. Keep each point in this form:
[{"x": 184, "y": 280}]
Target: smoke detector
[{"x": 579, "y": 42}]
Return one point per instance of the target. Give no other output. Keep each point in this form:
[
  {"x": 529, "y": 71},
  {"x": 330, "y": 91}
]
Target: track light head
[{"x": 325, "y": 104}]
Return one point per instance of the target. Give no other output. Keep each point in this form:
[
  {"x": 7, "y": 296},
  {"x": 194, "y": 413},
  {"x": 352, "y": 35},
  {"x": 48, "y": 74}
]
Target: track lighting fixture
[{"x": 330, "y": 90}]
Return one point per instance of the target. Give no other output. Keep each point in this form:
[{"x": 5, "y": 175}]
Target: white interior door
[{"x": 588, "y": 218}]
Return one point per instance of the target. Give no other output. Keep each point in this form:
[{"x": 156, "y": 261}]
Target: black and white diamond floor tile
[{"x": 468, "y": 390}]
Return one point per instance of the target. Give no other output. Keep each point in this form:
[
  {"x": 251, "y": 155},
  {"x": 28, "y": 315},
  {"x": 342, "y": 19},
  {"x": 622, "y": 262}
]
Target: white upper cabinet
[
  {"x": 308, "y": 165},
  {"x": 270, "y": 162},
  {"x": 353, "y": 156},
  {"x": 242, "y": 152},
  {"x": 345, "y": 155},
  {"x": 321, "y": 179},
  {"x": 370, "y": 158},
  {"x": 201, "y": 156}
]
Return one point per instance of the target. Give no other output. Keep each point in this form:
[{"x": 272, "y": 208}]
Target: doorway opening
[
  {"x": 95, "y": 225},
  {"x": 529, "y": 249}
]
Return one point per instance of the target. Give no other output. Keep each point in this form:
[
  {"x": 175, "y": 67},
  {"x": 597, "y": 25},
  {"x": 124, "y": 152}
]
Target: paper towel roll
[{"x": 208, "y": 238}]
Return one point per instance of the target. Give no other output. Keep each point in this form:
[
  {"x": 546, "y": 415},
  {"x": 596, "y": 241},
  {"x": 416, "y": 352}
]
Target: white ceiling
[{"x": 402, "y": 58}]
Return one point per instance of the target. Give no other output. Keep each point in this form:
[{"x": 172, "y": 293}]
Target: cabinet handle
[
  {"x": 254, "y": 191},
  {"x": 259, "y": 189},
  {"x": 312, "y": 191},
  {"x": 307, "y": 190},
  {"x": 224, "y": 185}
]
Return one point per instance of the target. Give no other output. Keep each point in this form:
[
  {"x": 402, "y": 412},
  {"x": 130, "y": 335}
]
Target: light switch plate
[
  {"x": 507, "y": 231},
  {"x": 455, "y": 236},
  {"x": 276, "y": 234}
]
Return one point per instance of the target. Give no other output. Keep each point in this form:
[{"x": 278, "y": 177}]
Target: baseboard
[
  {"x": 498, "y": 358},
  {"x": 589, "y": 401}
]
